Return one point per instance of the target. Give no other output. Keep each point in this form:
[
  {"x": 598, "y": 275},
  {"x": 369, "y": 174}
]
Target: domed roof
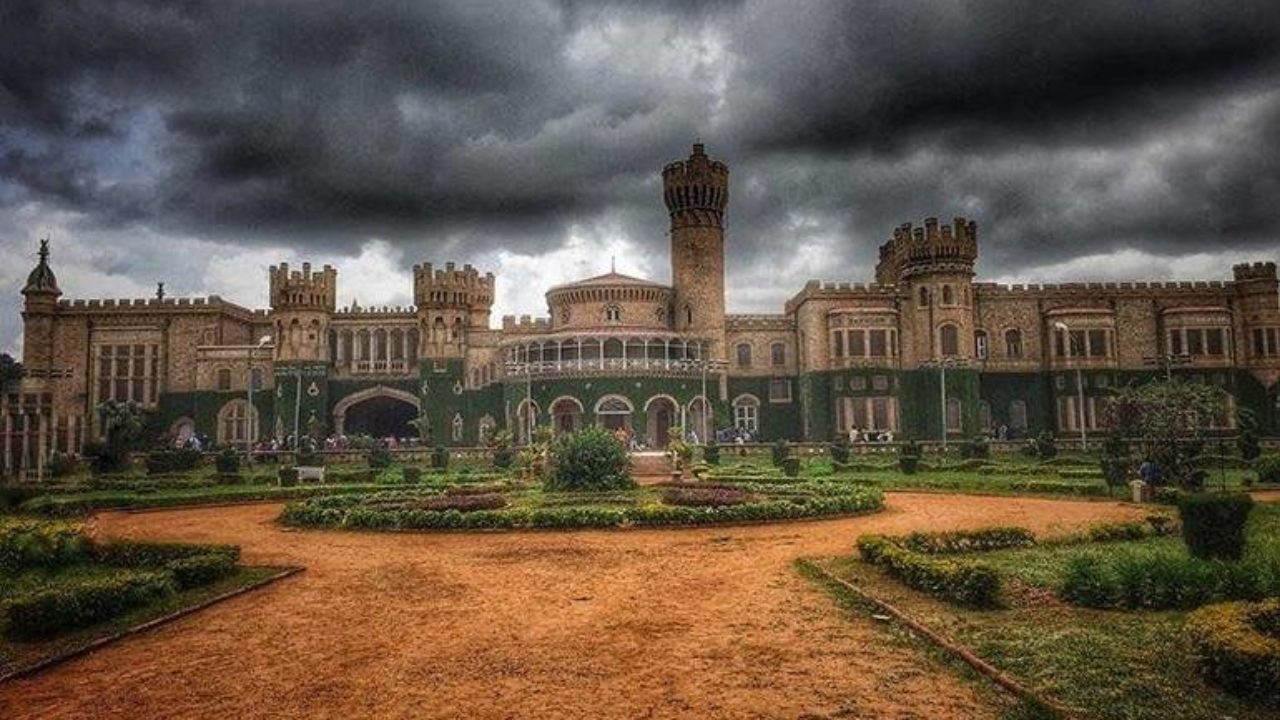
[
  {"x": 609, "y": 279},
  {"x": 42, "y": 279}
]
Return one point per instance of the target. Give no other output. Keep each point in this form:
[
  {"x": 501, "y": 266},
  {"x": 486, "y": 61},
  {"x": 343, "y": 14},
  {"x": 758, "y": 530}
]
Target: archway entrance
[
  {"x": 698, "y": 420},
  {"x": 381, "y": 417},
  {"x": 380, "y": 412},
  {"x": 566, "y": 415},
  {"x": 661, "y": 414},
  {"x": 613, "y": 412}
]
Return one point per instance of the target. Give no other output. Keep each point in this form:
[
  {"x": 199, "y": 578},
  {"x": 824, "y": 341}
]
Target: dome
[
  {"x": 609, "y": 279},
  {"x": 42, "y": 279}
]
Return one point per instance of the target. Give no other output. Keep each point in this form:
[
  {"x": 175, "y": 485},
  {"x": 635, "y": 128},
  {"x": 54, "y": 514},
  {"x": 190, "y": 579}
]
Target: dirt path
[{"x": 643, "y": 624}]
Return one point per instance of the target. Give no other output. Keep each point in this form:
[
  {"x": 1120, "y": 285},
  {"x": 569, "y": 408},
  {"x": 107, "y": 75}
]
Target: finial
[
  {"x": 613, "y": 263},
  {"x": 159, "y": 291},
  {"x": 44, "y": 250}
]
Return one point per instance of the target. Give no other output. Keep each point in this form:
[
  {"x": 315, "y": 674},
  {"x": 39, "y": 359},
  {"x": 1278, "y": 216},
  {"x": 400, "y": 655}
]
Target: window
[
  {"x": 1175, "y": 342},
  {"x": 688, "y": 315},
  {"x": 953, "y": 415},
  {"x": 780, "y": 390},
  {"x": 1018, "y": 415},
  {"x": 223, "y": 379},
  {"x": 879, "y": 345},
  {"x": 778, "y": 354},
  {"x": 127, "y": 373},
  {"x": 255, "y": 379},
  {"x": 1013, "y": 343},
  {"x": 980, "y": 345},
  {"x": 456, "y": 433},
  {"x": 857, "y": 382},
  {"x": 746, "y": 413},
  {"x": 857, "y": 343},
  {"x": 948, "y": 295},
  {"x": 837, "y": 343},
  {"x": 744, "y": 355},
  {"x": 949, "y": 339},
  {"x": 1195, "y": 342},
  {"x": 1214, "y": 342},
  {"x": 924, "y": 297},
  {"x": 880, "y": 382},
  {"x": 866, "y": 413},
  {"x": 612, "y": 314},
  {"x": 1098, "y": 343},
  {"x": 237, "y": 423}
]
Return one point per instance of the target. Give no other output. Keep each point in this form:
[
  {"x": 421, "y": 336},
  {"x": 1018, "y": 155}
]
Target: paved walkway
[{"x": 700, "y": 623}]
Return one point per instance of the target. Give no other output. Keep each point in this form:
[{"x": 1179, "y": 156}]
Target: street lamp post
[
  {"x": 942, "y": 364},
  {"x": 1084, "y": 438},
  {"x": 249, "y": 418}
]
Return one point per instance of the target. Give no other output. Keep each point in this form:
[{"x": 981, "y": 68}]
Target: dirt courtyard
[{"x": 694, "y": 623}]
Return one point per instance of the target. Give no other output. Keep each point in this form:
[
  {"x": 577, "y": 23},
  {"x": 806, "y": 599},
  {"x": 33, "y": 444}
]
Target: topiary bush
[
  {"x": 1268, "y": 468},
  {"x": 590, "y": 459},
  {"x": 711, "y": 452},
  {"x": 1238, "y": 647},
  {"x": 909, "y": 457},
  {"x": 440, "y": 457},
  {"x": 1046, "y": 446},
  {"x": 200, "y": 570},
  {"x": 963, "y": 582},
  {"x": 288, "y": 477},
  {"x": 964, "y": 541},
  {"x": 163, "y": 462},
  {"x": 791, "y": 466},
  {"x": 227, "y": 462},
  {"x": 779, "y": 451},
  {"x": 379, "y": 458},
  {"x": 1250, "y": 448},
  {"x": 466, "y": 502},
  {"x": 839, "y": 449},
  {"x": 1213, "y": 524},
  {"x": 707, "y": 496}
]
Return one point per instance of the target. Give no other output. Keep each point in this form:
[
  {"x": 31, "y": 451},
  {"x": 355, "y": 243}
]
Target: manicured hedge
[
  {"x": 709, "y": 496},
  {"x": 49, "y": 612},
  {"x": 349, "y": 513},
  {"x": 55, "y": 506},
  {"x": 36, "y": 543},
  {"x": 197, "y": 570},
  {"x": 963, "y": 582},
  {"x": 469, "y": 502},
  {"x": 1238, "y": 645},
  {"x": 1160, "y": 579},
  {"x": 965, "y": 541},
  {"x": 132, "y": 554},
  {"x": 1213, "y": 524}
]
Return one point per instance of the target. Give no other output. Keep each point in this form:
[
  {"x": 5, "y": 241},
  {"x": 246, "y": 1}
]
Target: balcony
[
  {"x": 379, "y": 367},
  {"x": 612, "y": 366}
]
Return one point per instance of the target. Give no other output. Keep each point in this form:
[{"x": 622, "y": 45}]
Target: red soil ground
[{"x": 696, "y": 623}]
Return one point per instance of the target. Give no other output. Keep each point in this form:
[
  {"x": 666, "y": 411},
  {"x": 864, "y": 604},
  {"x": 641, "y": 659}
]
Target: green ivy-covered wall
[
  {"x": 312, "y": 378},
  {"x": 777, "y": 420}
]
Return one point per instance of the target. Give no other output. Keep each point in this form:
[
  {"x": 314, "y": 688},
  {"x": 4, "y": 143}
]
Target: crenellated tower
[
  {"x": 451, "y": 303},
  {"x": 40, "y": 304},
  {"x": 1257, "y": 287},
  {"x": 933, "y": 265},
  {"x": 302, "y": 303},
  {"x": 696, "y": 192}
]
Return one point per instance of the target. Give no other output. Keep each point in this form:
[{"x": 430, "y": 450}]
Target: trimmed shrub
[
  {"x": 1087, "y": 583},
  {"x": 1046, "y": 446},
  {"x": 288, "y": 477},
  {"x": 779, "y": 451},
  {"x": 711, "y": 452},
  {"x": 909, "y": 457},
  {"x": 1213, "y": 524},
  {"x": 200, "y": 570},
  {"x": 976, "y": 447},
  {"x": 131, "y": 554},
  {"x": 839, "y": 449},
  {"x": 1268, "y": 468},
  {"x": 440, "y": 457},
  {"x": 49, "y": 612},
  {"x": 38, "y": 543},
  {"x": 1250, "y": 448},
  {"x": 1238, "y": 646},
  {"x": 791, "y": 466},
  {"x": 590, "y": 459},
  {"x": 964, "y": 541},
  {"x": 227, "y": 462},
  {"x": 411, "y": 475},
  {"x": 1117, "y": 531},
  {"x": 705, "y": 496},
  {"x": 1160, "y": 579},
  {"x": 465, "y": 503},
  {"x": 61, "y": 464},
  {"x": 963, "y": 582},
  {"x": 163, "y": 462},
  {"x": 379, "y": 458}
]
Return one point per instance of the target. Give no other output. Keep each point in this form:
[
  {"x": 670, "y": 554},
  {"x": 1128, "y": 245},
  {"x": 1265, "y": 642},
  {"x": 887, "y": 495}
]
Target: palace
[{"x": 625, "y": 351}]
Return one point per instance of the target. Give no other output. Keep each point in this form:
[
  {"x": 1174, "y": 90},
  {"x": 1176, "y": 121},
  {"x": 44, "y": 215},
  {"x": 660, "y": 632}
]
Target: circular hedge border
[
  {"x": 349, "y": 512},
  {"x": 1239, "y": 646}
]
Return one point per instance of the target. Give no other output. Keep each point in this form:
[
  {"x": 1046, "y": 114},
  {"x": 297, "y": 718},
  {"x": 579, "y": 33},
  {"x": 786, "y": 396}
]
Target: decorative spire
[
  {"x": 42, "y": 279},
  {"x": 159, "y": 291}
]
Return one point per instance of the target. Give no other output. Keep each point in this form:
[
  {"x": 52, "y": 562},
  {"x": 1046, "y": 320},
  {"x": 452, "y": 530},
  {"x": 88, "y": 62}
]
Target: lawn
[{"x": 1131, "y": 665}]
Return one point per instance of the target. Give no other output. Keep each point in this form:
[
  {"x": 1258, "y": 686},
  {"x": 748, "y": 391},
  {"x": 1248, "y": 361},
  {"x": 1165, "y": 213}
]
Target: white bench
[{"x": 306, "y": 473}]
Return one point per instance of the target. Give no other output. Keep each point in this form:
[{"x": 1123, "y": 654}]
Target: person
[
  {"x": 1002, "y": 433},
  {"x": 1149, "y": 472}
]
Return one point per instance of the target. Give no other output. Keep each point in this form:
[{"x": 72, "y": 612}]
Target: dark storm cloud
[{"x": 1065, "y": 128}]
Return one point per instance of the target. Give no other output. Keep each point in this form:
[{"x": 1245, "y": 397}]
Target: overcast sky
[{"x": 198, "y": 142}]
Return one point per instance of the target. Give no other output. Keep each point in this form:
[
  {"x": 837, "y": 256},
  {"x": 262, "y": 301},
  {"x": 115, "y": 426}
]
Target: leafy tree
[
  {"x": 122, "y": 427},
  {"x": 10, "y": 371},
  {"x": 1168, "y": 420},
  {"x": 590, "y": 459}
]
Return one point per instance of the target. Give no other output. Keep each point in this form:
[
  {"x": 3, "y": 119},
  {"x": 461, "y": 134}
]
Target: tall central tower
[{"x": 696, "y": 192}]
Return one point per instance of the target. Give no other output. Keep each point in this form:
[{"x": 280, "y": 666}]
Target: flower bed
[{"x": 710, "y": 496}]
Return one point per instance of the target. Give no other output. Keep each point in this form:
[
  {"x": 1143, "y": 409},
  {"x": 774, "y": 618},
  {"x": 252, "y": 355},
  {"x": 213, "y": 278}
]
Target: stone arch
[
  {"x": 182, "y": 429},
  {"x": 379, "y": 391},
  {"x": 614, "y": 411},
  {"x": 698, "y": 420},
  {"x": 566, "y": 414},
  {"x": 661, "y": 413}
]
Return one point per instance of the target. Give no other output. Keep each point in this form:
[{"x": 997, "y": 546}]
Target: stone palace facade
[{"x": 624, "y": 351}]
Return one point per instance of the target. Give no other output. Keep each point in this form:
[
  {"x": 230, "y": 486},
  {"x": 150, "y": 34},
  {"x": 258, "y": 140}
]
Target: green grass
[
  {"x": 1121, "y": 665},
  {"x": 17, "y": 655}
]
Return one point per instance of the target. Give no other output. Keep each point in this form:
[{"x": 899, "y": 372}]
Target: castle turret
[
  {"x": 40, "y": 304},
  {"x": 934, "y": 266},
  {"x": 1257, "y": 287},
  {"x": 302, "y": 303},
  {"x": 451, "y": 303},
  {"x": 696, "y": 192}
]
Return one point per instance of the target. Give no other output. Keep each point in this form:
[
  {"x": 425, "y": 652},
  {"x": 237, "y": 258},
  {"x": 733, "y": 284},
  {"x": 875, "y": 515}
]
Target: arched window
[
  {"x": 223, "y": 379},
  {"x": 744, "y": 354},
  {"x": 237, "y": 422},
  {"x": 688, "y": 315},
  {"x": 456, "y": 332},
  {"x": 413, "y": 345},
  {"x": 1018, "y": 415},
  {"x": 746, "y": 413},
  {"x": 456, "y": 433},
  {"x": 1013, "y": 343},
  {"x": 980, "y": 344},
  {"x": 949, "y": 340},
  {"x": 612, "y": 314},
  {"x": 778, "y": 354},
  {"x": 984, "y": 415},
  {"x": 948, "y": 295},
  {"x": 924, "y": 296},
  {"x": 486, "y": 429},
  {"x": 953, "y": 415}
]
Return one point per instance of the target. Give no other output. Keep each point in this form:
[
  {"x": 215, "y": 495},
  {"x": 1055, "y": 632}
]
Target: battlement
[
  {"x": 525, "y": 324},
  {"x": 451, "y": 287},
  {"x": 356, "y": 310},
  {"x": 1089, "y": 288},
  {"x": 696, "y": 190},
  {"x": 1245, "y": 272},
  {"x": 303, "y": 289},
  {"x": 758, "y": 321},
  {"x": 931, "y": 248}
]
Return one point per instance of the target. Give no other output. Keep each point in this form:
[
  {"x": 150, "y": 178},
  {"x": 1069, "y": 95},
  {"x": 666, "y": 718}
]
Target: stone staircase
[{"x": 650, "y": 464}]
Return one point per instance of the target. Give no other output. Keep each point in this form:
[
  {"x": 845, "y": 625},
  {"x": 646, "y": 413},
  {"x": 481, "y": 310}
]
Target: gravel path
[{"x": 693, "y": 623}]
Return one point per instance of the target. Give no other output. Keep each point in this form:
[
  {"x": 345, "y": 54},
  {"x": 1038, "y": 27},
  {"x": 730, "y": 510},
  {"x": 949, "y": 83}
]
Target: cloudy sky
[{"x": 198, "y": 142}]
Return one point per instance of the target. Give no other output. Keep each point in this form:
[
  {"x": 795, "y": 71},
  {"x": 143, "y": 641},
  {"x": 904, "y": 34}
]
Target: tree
[
  {"x": 10, "y": 371},
  {"x": 122, "y": 426},
  {"x": 1168, "y": 420}
]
